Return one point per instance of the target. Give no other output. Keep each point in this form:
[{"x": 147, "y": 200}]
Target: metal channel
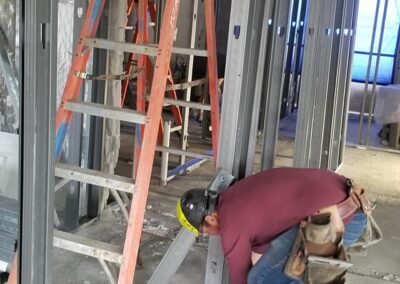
[
  {"x": 332, "y": 95},
  {"x": 259, "y": 84},
  {"x": 250, "y": 67},
  {"x": 235, "y": 60},
  {"x": 38, "y": 64},
  {"x": 321, "y": 80},
  {"x": 371, "y": 50},
  {"x": 378, "y": 60},
  {"x": 295, "y": 81},
  {"x": 348, "y": 81},
  {"x": 304, "y": 117},
  {"x": 181, "y": 245},
  {"x": 173, "y": 258},
  {"x": 234, "y": 71},
  {"x": 341, "y": 81},
  {"x": 275, "y": 82},
  {"x": 292, "y": 28}
]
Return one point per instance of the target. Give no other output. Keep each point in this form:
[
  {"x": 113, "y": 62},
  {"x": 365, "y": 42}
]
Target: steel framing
[
  {"x": 348, "y": 81},
  {"x": 344, "y": 68},
  {"x": 38, "y": 64},
  {"x": 274, "y": 81},
  {"x": 260, "y": 82},
  {"x": 238, "y": 113},
  {"x": 378, "y": 60},
  {"x": 363, "y": 135},
  {"x": 248, "y": 21},
  {"x": 303, "y": 130},
  {"x": 324, "y": 92},
  {"x": 360, "y": 127},
  {"x": 235, "y": 65}
]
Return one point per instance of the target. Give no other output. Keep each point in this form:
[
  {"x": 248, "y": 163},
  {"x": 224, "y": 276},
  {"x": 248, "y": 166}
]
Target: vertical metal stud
[
  {"x": 306, "y": 102},
  {"x": 38, "y": 64},
  {"x": 348, "y": 81},
  {"x": 378, "y": 60},
  {"x": 275, "y": 82},
  {"x": 341, "y": 92},
  {"x": 371, "y": 50},
  {"x": 333, "y": 76}
]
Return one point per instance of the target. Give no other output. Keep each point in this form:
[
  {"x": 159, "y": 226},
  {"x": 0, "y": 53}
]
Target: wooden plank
[
  {"x": 106, "y": 111},
  {"x": 86, "y": 246},
  {"x": 145, "y": 49},
  {"x": 94, "y": 177}
]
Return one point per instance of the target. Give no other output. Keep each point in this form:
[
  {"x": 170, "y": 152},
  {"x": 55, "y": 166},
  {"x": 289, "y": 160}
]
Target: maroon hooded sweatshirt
[{"x": 257, "y": 209}]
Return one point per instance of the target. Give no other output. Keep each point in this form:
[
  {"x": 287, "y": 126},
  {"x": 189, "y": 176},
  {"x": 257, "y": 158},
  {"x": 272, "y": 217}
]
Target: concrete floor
[{"x": 378, "y": 172}]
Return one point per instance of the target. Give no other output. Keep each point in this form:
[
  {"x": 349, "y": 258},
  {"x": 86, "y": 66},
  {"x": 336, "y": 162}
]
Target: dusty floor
[{"x": 379, "y": 172}]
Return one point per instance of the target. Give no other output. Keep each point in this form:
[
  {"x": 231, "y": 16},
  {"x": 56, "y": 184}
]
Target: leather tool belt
[
  {"x": 357, "y": 199},
  {"x": 324, "y": 258}
]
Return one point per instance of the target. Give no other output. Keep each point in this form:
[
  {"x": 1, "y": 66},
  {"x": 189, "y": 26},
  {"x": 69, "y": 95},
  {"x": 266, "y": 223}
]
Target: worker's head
[{"x": 196, "y": 211}]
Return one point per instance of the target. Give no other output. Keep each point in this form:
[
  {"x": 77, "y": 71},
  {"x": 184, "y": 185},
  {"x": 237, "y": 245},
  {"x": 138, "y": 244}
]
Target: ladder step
[
  {"x": 183, "y": 153},
  {"x": 86, "y": 246},
  {"x": 146, "y": 49},
  {"x": 94, "y": 177},
  {"x": 107, "y": 111},
  {"x": 168, "y": 101}
]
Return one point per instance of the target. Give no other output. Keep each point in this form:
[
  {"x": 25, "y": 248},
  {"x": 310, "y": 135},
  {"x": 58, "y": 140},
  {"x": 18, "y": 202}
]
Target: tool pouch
[{"x": 324, "y": 257}]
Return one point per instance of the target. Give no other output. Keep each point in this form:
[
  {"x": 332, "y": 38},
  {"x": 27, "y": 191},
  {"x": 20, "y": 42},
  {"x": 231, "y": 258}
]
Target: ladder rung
[
  {"x": 182, "y": 103},
  {"x": 148, "y": 49},
  {"x": 94, "y": 177},
  {"x": 86, "y": 246},
  {"x": 183, "y": 153},
  {"x": 107, "y": 111},
  {"x": 176, "y": 128}
]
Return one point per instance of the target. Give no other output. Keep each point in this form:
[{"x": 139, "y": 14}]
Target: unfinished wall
[{"x": 8, "y": 119}]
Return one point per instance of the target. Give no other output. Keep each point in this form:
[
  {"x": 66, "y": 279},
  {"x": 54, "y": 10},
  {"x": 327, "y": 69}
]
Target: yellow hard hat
[{"x": 192, "y": 208}]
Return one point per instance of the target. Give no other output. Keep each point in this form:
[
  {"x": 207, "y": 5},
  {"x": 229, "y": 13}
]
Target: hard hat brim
[{"x": 184, "y": 222}]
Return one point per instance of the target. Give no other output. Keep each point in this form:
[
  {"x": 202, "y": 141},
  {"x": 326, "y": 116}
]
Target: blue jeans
[{"x": 269, "y": 268}]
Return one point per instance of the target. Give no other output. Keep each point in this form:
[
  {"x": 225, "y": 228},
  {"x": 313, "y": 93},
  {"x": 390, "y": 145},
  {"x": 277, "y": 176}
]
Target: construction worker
[{"x": 257, "y": 218}]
